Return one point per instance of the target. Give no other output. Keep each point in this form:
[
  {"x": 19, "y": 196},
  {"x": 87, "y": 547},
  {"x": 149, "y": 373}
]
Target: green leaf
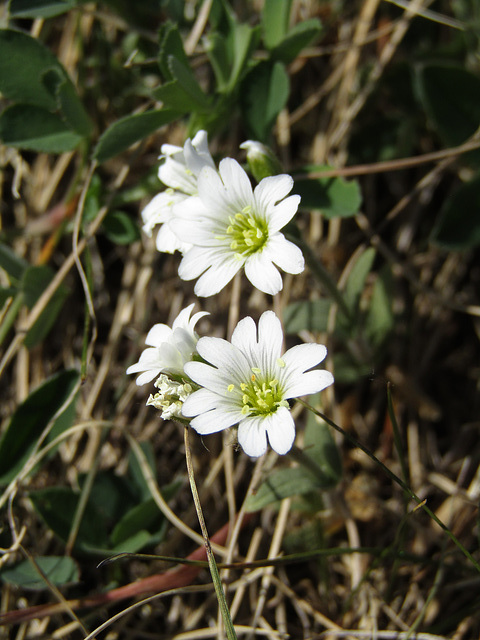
[
  {"x": 138, "y": 482},
  {"x": 13, "y": 264},
  {"x": 281, "y": 484},
  {"x": 35, "y": 280},
  {"x": 309, "y": 315},
  {"x": 182, "y": 93},
  {"x": 347, "y": 370},
  {"x": 143, "y": 517},
  {"x": 320, "y": 446},
  {"x": 30, "y": 420},
  {"x": 23, "y": 64},
  {"x": 380, "y": 320},
  {"x": 170, "y": 45},
  {"x": 264, "y": 94},
  {"x": 450, "y": 96},
  {"x": 218, "y": 54},
  {"x": 130, "y": 129},
  {"x": 321, "y": 468},
  {"x": 39, "y": 8},
  {"x": 59, "y": 570},
  {"x": 458, "y": 224},
  {"x": 334, "y": 197},
  {"x": 275, "y": 19},
  {"x": 299, "y": 37},
  {"x": 120, "y": 228},
  {"x": 73, "y": 110},
  {"x": 356, "y": 280},
  {"x": 34, "y": 128},
  {"x": 57, "y": 507},
  {"x": 6, "y": 293}
]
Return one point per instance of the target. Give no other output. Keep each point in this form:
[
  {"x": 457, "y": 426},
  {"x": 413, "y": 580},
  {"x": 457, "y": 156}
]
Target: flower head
[
  {"x": 170, "y": 348},
  {"x": 179, "y": 173},
  {"x": 249, "y": 382},
  {"x": 231, "y": 226}
]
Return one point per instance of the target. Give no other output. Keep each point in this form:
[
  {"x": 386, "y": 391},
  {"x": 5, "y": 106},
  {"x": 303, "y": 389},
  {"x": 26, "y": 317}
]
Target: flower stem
[{"x": 222, "y": 603}]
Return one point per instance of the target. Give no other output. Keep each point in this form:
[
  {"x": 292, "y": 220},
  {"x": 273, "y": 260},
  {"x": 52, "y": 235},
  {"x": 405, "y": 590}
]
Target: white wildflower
[
  {"x": 179, "y": 173},
  {"x": 170, "y": 348},
  {"x": 170, "y": 397},
  {"x": 231, "y": 226},
  {"x": 249, "y": 382}
]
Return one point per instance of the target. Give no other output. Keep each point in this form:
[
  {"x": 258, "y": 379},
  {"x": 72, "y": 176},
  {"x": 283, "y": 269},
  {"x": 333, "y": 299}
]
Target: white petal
[
  {"x": 285, "y": 254},
  {"x": 261, "y": 272},
  {"x": 225, "y": 356},
  {"x": 272, "y": 189},
  {"x": 145, "y": 377},
  {"x": 199, "y": 402},
  {"x": 270, "y": 335},
  {"x": 217, "y": 277},
  {"x": 208, "y": 377},
  {"x": 168, "y": 242},
  {"x": 237, "y": 183},
  {"x": 244, "y": 337},
  {"x": 158, "y": 333},
  {"x": 193, "y": 263},
  {"x": 213, "y": 194},
  {"x": 304, "y": 356},
  {"x": 215, "y": 420},
  {"x": 282, "y": 213},
  {"x": 280, "y": 429},
  {"x": 174, "y": 174},
  {"x": 252, "y": 436},
  {"x": 307, "y": 383}
]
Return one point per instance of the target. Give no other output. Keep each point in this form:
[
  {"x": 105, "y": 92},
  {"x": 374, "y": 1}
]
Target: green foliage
[
  {"x": 120, "y": 515},
  {"x": 48, "y": 114},
  {"x": 120, "y": 228},
  {"x": 265, "y": 94},
  {"x": 39, "y": 8},
  {"x": 27, "y": 574},
  {"x": 450, "y": 96},
  {"x": 45, "y": 406},
  {"x": 34, "y": 281},
  {"x": 320, "y": 469},
  {"x": 333, "y": 197},
  {"x": 130, "y": 129},
  {"x": 458, "y": 224}
]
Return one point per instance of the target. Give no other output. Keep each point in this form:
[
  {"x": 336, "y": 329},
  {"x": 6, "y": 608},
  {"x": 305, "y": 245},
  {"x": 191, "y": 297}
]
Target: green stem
[
  {"x": 222, "y": 603},
  {"x": 11, "y": 315},
  {"x": 395, "y": 478}
]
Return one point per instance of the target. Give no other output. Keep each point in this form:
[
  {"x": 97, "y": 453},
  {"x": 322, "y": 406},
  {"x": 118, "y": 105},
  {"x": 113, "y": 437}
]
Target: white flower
[
  {"x": 231, "y": 226},
  {"x": 248, "y": 382},
  {"x": 170, "y": 348},
  {"x": 179, "y": 174},
  {"x": 170, "y": 398}
]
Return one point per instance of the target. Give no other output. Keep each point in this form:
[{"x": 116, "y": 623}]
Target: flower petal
[
  {"x": 307, "y": 383},
  {"x": 244, "y": 337},
  {"x": 304, "y": 356},
  {"x": 282, "y": 213},
  {"x": 272, "y": 189},
  {"x": 158, "y": 333},
  {"x": 261, "y": 272},
  {"x": 237, "y": 183},
  {"x": 208, "y": 377},
  {"x": 285, "y": 254},
  {"x": 224, "y": 355},
  {"x": 270, "y": 336},
  {"x": 215, "y": 420},
  {"x": 199, "y": 402},
  {"x": 252, "y": 436},
  {"x": 216, "y": 277},
  {"x": 280, "y": 429}
]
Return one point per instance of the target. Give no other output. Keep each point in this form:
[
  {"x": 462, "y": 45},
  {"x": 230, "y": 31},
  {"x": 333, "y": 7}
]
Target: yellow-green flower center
[
  {"x": 260, "y": 395},
  {"x": 247, "y": 233}
]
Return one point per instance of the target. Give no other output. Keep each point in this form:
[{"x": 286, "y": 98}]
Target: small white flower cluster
[{"x": 221, "y": 224}]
